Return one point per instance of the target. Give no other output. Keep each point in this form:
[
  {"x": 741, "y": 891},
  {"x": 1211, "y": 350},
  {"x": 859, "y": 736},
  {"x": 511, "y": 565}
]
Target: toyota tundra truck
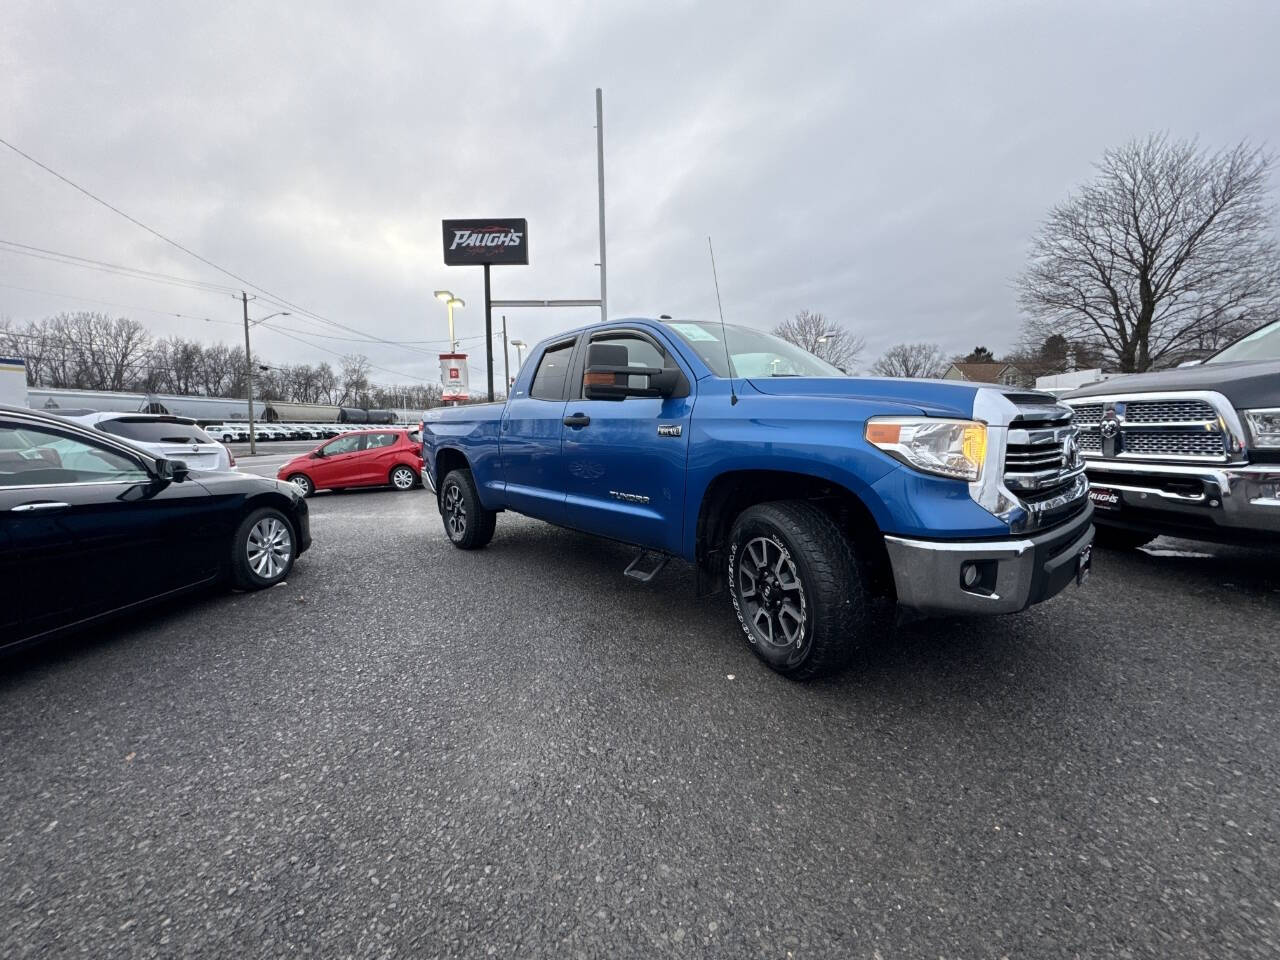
[
  {"x": 1192, "y": 452},
  {"x": 815, "y": 500}
]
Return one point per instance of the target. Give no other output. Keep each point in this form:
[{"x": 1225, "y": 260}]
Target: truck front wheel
[
  {"x": 796, "y": 588},
  {"x": 468, "y": 525}
]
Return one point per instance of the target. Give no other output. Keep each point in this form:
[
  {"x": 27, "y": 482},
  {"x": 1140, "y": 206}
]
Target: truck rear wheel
[
  {"x": 797, "y": 589},
  {"x": 467, "y": 524}
]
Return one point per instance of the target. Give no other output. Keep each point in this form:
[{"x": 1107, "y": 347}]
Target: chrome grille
[
  {"x": 1166, "y": 411},
  {"x": 1177, "y": 427},
  {"x": 1170, "y": 443},
  {"x": 1087, "y": 413}
]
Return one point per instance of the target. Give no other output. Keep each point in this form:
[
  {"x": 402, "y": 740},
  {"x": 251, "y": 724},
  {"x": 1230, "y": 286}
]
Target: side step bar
[{"x": 646, "y": 566}]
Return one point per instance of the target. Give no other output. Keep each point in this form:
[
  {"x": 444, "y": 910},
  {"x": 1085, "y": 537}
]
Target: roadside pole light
[
  {"x": 248, "y": 364},
  {"x": 519, "y": 345},
  {"x": 450, "y": 301}
]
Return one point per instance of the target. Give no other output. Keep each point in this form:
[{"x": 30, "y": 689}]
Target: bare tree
[
  {"x": 824, "y": 339},
  {"x": 1165, "y": 254},
  {"x": 354, "y": 380},
  {"x": 911, "y": 360}
]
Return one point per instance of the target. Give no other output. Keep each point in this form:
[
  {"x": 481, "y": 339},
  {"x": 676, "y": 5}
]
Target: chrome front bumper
[
  {"x": 1242, "y": 498},
  {"x": 1013, "y": 574}
]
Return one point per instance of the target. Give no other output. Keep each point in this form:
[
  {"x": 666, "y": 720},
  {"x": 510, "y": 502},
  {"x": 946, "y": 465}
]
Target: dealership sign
[
  {"x": 453, "y": 376},
  {"x": 472, "y": 243}
]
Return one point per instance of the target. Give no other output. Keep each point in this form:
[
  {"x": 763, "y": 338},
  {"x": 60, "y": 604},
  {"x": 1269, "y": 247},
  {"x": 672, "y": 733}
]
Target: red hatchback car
[{"x": 366, "y": 458}]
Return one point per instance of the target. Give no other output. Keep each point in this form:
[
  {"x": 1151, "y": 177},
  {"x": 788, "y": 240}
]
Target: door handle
[
  {"x": 577, "y": 420},
  {"x": 42, "y": 505}
]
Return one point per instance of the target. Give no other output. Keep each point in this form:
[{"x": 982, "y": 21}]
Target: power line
[
  {"x": 279, "y": 300},
  {"x": 136, "y": 273},
  {"x": 317, "y": 346}
]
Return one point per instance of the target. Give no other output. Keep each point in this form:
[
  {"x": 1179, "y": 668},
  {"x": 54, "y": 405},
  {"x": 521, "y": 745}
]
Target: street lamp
[
  {"x": 248, "y": 365},
  {"x": 450, "y": 301},
  {"x": 519, "y": 345}
]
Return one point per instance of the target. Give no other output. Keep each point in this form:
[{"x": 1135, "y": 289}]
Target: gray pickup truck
[{"x": 1191, "y": 452}]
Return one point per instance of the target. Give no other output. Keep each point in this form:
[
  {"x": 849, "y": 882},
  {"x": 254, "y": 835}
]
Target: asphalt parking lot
[{"x": 411, "y": 751}]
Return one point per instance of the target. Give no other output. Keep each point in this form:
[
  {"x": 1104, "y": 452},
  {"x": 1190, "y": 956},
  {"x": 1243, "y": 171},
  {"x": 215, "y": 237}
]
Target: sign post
[{"x": 469, "y": 243}]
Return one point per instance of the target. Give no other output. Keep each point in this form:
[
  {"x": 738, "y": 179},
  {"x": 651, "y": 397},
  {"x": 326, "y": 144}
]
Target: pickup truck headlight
[
  {"x": 1264, "y": 427},
  {"x": 948, "y": 448}
]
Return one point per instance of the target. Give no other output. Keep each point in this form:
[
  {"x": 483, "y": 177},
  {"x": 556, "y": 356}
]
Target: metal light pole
[
  {"x": 506, "y": 360},
  {"x": 450, "y": 301},
  {"x": 248, "y": 365},
  {"x": 604, "y": 298}
]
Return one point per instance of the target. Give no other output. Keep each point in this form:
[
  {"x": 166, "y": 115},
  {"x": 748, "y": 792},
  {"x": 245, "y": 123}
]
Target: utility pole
[
  {"x": 506, "y": 360},
  {"x": 604, "y": 298},
  {"x": 248, "y": 373}
]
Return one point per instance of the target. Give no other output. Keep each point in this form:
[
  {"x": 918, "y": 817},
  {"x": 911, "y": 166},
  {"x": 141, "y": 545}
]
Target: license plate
[
  {"x": 1104, "y": 498},
  {"x": 1084, "y": 565}
]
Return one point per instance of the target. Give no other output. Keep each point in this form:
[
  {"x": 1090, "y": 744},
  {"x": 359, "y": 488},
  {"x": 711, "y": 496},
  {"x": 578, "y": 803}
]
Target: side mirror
[
  {"x": 175, "y": 471},
  {"x": 608, "y": 377},
  {"x": 317, "y": 454}
]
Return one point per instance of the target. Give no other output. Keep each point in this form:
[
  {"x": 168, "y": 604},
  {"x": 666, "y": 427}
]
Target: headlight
[
  {"x": 949, "y": 448},
  {"x": 1264, "y": 426}
]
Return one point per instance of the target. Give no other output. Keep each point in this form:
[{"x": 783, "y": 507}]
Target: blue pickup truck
[{"x": 816, "y": 500}]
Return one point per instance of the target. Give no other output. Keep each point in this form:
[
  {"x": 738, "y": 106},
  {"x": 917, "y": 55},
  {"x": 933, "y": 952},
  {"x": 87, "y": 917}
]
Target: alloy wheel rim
[
  {"x": 455, "y": 511},
  {"x": 269, "y": 548},
  {"x": 771, "y": 594},
  {"x": 402, "y": 478},
  {"x": 302, "y": 483}
]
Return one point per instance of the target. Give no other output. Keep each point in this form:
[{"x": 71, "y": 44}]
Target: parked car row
[{"x": 238, "y": 432}]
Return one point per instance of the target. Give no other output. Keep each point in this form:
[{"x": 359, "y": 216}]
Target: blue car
[{"x": 815, "y": 500}]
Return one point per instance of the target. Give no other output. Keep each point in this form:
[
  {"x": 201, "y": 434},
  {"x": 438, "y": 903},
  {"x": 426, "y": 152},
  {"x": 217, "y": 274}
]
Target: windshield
[
  {"x": 155, "y": 431},
  {"x": 1262, "y": 344},
  {"x": 754, "y": 352}
]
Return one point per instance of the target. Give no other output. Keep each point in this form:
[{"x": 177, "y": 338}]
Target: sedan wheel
[
  {"x": 263, "y": 551},
  {"x": 402, "y": 478}
]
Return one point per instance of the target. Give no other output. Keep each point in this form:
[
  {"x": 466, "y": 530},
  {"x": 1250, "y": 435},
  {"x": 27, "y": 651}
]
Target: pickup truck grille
[
  {"x": 1168, "y": 427},
  {"x": 1042, "y": 464}
]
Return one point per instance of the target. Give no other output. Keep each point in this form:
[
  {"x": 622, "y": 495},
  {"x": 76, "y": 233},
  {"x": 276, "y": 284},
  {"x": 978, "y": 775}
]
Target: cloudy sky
[{"x": 884, "y": 163}]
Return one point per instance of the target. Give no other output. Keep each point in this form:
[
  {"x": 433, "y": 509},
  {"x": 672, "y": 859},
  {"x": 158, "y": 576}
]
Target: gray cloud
[{"x": 884, "y": 165}]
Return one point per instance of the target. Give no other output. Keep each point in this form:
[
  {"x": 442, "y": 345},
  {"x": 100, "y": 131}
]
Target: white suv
[{"x": 163, "y": 435}]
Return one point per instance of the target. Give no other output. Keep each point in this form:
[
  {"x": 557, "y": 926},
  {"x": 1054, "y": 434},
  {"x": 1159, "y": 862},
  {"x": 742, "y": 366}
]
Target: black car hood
[
  {"x": 1252, "y": 383},
  {"x": 231, "y": 482}
]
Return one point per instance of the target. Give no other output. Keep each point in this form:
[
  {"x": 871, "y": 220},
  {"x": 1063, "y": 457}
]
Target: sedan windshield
[
  {"x": 754, "y": 353},
  {"x": 1262, "y": 344}
]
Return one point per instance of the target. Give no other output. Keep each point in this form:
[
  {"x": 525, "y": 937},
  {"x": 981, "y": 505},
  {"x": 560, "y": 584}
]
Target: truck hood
[
  {"x": 936, "y": 398},
  {"x": 1250, "y": 383}
]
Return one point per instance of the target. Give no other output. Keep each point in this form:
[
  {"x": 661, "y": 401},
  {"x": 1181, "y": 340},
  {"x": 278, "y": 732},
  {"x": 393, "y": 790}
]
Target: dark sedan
[{"x": 91, "y": 527}]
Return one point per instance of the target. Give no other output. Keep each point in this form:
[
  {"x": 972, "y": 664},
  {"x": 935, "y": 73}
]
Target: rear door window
[
  {"x": 553, "y": 369},
  {"x": 379, "y": 440}
]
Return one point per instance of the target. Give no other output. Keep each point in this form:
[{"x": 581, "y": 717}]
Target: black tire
[
  {"x": 809, "y": 566},
  {"x": 303, "y": 483},
  {"x": 263, "y": 550},
  {"x": 1118, "y": 538},
  {"x": 467, "y": 524},
  {"x": 402, "y": 478}
]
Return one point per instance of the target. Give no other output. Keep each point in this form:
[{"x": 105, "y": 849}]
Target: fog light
[{"x": 969, "y": 574}]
